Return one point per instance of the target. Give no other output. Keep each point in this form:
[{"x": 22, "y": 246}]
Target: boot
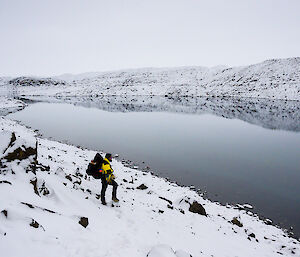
[{"x": 115, "y": 199}]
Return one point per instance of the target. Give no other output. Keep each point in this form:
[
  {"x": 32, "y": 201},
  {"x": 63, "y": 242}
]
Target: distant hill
[{"x": 272, "y": 79}]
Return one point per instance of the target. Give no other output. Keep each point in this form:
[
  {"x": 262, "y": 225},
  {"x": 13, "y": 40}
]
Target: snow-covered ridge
[
  {"x": 48, "y": 204},
  {"x": 272, "y": 79}
]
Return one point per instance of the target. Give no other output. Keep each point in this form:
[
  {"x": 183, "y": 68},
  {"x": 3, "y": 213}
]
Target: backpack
[{"x": 94, "y": 167}]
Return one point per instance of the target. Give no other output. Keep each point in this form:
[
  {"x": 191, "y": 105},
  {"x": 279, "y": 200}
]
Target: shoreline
[
  {"x": 159, "y": 212},
  {"x": 131, "y": 164}
]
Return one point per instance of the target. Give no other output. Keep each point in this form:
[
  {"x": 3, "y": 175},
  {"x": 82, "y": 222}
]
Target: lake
[{"x": 236, "y": 151}]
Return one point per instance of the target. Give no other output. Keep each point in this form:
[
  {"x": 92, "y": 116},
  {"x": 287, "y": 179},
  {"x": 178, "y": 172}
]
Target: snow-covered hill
[
  {"x": 273, "y": 79},
  {"x": 49, "y": 206}
]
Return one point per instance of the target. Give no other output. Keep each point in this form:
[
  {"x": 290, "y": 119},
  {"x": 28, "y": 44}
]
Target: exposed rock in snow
[
  {"x": 84, "y": 221},
  {"x": 235, "y": 221},
  {"x": 142, "y": 187},
  {"x": 196, "y": 207}
]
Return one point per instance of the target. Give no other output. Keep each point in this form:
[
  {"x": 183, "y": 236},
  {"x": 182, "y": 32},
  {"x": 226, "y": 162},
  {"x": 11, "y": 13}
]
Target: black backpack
[{"x": 94, "y": 167}]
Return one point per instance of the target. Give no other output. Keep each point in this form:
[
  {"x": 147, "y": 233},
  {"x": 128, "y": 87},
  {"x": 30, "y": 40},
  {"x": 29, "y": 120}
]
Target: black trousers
[{"x": 104, "y": 187}]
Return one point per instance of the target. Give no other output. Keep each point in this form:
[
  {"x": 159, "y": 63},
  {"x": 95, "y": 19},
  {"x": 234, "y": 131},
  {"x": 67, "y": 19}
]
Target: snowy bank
[
  {"x": 49, "y": 205},
  {"x": 10, "y": 105}
]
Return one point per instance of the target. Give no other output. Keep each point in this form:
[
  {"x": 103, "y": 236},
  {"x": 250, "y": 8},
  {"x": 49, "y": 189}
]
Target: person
[{"x": 108, "y": 179}]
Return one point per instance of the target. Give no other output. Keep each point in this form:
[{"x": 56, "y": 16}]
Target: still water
[{"x": 234, "y": 161}]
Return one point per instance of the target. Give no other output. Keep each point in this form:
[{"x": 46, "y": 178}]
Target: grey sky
[{"x": 44, "y": 37}]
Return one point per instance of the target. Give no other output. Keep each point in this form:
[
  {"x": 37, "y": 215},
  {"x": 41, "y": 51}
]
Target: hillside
[{"x": 272, "y": 79}]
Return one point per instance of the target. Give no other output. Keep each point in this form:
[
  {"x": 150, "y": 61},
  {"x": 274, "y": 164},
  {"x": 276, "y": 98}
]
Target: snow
[
  {"x": 9, "y": 105},
  {"x": 162, "y": 251},
  {"x": 41, "y": 204},
  {"x": 4, "y": 141},
  {"x": 271, "y": 79}
]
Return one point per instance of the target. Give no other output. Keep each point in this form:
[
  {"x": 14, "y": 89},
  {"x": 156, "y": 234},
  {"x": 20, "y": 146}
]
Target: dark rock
[
  {"x": 34, "y": 224},
  {"x": 5, "y": 182},
  {"x": 142, "y": 187},
  {"x": 44, "y": 190},
  {"x": 236, "y": 222},
  {"x": 34, "y": 183},
  {"x": 20, "y": 154},
  {"x": 125, "y": 180},
  {"x": 4, "y": 212},
  {"x": 170, "y": 202},
  {"x": 47, "y": 210},
  {"x": 252, "y": 235},
  {"x": 69, "y": 177},
  {"x": 161, "y": 211},
  {"x": 28, "y": 205},
  {"x": 12, "y": 139},
  {"x": 196, "y": 207},
  {"x": 84, "y": 222},
  {"x": 43, "y": 167},
  {"x": 32, "y": 207},
  {"x": 170, "y": 207},
  {"x": 131, "y": 182}
]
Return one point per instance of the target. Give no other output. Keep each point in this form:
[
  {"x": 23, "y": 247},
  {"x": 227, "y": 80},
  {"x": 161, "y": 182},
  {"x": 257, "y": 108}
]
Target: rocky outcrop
[
  {"x": 20, "y": 153},
  {"x": 197, "y": 208},
  {"x": 84, "y": 222}
]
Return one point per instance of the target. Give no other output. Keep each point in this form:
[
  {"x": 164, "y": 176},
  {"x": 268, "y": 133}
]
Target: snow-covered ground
[
  {"x": 272, "y": 79},
  {"x": 48, "y": 206},
  {"x": 10, "y": 105}
]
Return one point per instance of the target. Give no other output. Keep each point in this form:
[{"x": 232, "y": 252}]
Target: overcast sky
[{"x": 53, "y": 37}]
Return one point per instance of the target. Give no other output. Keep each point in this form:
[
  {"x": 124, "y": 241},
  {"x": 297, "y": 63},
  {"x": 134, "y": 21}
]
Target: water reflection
[{"x": 271, "y": 114}]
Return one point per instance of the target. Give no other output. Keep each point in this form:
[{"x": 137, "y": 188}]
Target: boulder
[
  {"x": 4, "y": 212},
  {"x": 84, "y": 222},
  {"x": 34, "y": 224},
  {"x": 20, "y": 153},
  {"x": 142, "y": 187},
  {"x": 236, "y": 222},
  {"x": 196, "y": 207}
]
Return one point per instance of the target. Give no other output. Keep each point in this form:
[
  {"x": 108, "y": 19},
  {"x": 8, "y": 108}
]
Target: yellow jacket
[{"x": 107, "y": 170}]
